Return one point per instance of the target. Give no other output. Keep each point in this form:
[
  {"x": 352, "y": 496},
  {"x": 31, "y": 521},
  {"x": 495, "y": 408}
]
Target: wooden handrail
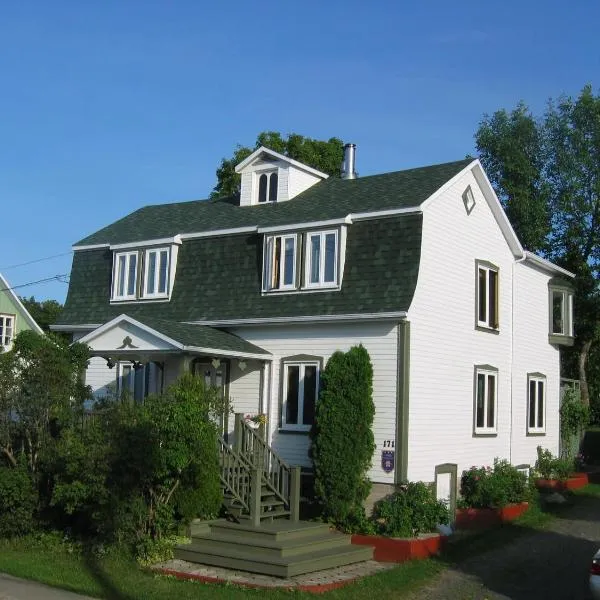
[{"x": 235, "y": 474}]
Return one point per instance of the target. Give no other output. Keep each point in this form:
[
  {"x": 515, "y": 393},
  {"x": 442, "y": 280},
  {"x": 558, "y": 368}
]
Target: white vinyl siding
[
  {"x": 156, "y": 273},
  {"x": 486, "y": 401},
  {"x": 7, "y": 331},
  {"x": 125, "y": 274},
  {"x": 536, "y": 404},
  {"x": 279, "y": 270},
  {"x": 321, "y": 259}
]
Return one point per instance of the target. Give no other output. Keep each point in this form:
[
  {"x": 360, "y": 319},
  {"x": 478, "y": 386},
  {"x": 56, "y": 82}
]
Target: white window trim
[
  {"x": 537, "y": 378},
  {"x": 3, "y": 317},
  {"x": 485, "y": 430},
  {"x": 144, "y": 286},
  {"x": 308, "y": 259},
  {"x": 487, "y": 267},
  {"x": 567, "y": 311},
  {"x": 115, "y": 283},
  {"x": 268, "y": 263},
  {"x": 256, "y": 191},
  {"x": 302, "y": 365}
]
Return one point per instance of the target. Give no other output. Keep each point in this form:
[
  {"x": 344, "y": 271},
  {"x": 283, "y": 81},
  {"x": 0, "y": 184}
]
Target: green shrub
[
  {"x": 18, "y": 502},
  {"x": 547, "y": 466},
  {"x": 344, "y": 414},
  {"x": 487, "y": 487},
  {"x": 410, "y": 511}
]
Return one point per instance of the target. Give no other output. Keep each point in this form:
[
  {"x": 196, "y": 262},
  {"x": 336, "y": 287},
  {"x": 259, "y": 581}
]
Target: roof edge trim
[{"x": 295, "y": 163}]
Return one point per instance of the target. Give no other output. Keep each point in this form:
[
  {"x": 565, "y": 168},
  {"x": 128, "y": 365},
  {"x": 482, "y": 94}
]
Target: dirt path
[{"x": 545, "y": 565}]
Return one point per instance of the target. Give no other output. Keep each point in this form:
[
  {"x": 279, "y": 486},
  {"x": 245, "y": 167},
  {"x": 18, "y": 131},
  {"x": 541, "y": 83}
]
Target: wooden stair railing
[{"x": 235, "y": 475}]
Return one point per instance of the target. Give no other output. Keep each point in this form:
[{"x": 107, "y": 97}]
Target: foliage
[
  {"x": 18, "y": 501},
  {"x": 41, "y": 389},
  {"x": 574, "y": 414},
  {"x": 410, "y": 511},
  {"x": 344, "y": 412},
  {"x": 150, "y": 552},
  {"x": 325, "y": 156},
  {"x": 44, "y": 313},
  {"x": 546, "y": 172},
  {"x": 487, "y": 487},
  {"x": 547, "y": 466}
]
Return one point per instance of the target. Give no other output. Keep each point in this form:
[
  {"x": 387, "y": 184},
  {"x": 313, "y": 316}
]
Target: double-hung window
[
  {"x": 561, "y": 314},
  {"x": 536, "y": 405},
  {"x": 7, "y": 331},
  {"x": 487, "y": 296},
  {"x": 279, "y": 271},
  {"x": 321, "y": 259},
  {"x": 486, "y": 399},
  {"x": 156, "y": 273},
  {"x": 300, "y": 392},
  {"x": 125, "y": 274}
]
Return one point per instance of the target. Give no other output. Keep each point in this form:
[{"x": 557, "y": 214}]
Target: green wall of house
[{"x": 9, "y": 307}]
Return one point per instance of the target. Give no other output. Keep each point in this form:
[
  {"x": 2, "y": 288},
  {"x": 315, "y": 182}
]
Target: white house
[{"x": 463, "y": 326}]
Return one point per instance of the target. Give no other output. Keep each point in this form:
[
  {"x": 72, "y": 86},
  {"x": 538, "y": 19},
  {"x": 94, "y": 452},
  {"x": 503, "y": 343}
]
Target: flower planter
[
  {"x": 482, "y": 518},
  {"x": 574, "y": 482},
  {"x": 397, "y": 550}
]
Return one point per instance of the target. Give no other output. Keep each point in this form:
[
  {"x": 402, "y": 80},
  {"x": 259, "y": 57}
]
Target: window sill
[
  {"x": 287, "y": 431},
  {"x": 494, "y": 330},
  {"x": 324, "y": 286},
  {"x": 140, "y": 300},
  {"x": 535, "y": 433},
  {"x": 485, "y": 433},
  {"x": 561, "y": 340}
]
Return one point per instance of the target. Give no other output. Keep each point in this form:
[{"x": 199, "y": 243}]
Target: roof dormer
[{"x": 268, "y": 176}]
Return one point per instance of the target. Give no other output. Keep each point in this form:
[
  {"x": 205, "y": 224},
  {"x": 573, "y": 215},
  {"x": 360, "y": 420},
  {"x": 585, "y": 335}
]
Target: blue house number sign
[{"x": 387, "y": 460}]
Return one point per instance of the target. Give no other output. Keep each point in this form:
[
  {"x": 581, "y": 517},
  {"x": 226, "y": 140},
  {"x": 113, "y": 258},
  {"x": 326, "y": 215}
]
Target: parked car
[{"x": 595, "y": 576}]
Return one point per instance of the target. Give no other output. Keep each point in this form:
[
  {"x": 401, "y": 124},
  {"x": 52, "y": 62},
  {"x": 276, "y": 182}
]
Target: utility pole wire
[
  {"x": 37, "y": 260},
  {"x": 63, "y": 278}
]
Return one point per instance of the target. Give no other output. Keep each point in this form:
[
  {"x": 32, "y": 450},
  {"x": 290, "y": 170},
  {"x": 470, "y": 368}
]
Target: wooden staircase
[
  {"x": 278, "y": 548},
  {"x": 261, "y": 493}
]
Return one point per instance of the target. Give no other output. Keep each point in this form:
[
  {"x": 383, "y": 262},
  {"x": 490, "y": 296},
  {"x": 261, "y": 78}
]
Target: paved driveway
[
  {"x": 545, "y": 565},
  {"x": 12, "y": 588}
]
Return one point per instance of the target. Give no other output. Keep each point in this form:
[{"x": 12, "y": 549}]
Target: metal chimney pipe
[{"x": 348, "y": 171}]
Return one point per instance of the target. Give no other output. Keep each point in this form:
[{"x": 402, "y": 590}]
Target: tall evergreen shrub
[{"x": 342, "y": 436}]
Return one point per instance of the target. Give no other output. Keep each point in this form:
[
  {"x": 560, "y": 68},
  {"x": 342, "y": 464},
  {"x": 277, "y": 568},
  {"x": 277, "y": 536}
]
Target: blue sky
[{"x": 112, "y": 105}]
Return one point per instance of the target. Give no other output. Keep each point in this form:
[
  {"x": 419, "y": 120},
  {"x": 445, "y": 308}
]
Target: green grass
[{"x": 117, "y": 577}]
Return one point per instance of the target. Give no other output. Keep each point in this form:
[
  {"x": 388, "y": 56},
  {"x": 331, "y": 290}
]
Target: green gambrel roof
[
  {"x": 219, "y": 278},
  {"x": 330, "y": 199}
]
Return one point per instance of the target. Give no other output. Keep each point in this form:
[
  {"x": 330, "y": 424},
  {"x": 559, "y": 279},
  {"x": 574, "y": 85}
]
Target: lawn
[{"x": 117, "y": 577}]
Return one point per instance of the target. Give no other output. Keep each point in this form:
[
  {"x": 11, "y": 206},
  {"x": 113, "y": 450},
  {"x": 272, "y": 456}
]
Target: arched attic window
[{"x": 267, "y": 187}]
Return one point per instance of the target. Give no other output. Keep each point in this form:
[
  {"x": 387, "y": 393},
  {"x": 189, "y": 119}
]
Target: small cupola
[{"x": 269, "y": 177}]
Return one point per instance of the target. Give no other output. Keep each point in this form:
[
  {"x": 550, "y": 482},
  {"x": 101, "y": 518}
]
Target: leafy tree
[
  {"x": 44, "y": 313},
  {"x": 41, "y": 385},
  {"x": 325, "y": 156},
  {"x": 546, "y": 172},
  {"x": 345, "y": 411}
]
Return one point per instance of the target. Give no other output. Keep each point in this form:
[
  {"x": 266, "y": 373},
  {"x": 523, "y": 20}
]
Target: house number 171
[{"x": 388, "y": 443}]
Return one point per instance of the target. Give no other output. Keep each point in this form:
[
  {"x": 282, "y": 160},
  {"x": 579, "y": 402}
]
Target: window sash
[
  {"x": 7, "y": 330},
  {"x": 300, "y": 394},
  {"x": 267, "y": 187},
  {"x": 125, "y": 275},
  {"x": 486, "y": 401},
  {"x": 487, "y": 297},
  {"x": 322, "y": 251},
  {"x": 536, "y": 401},
  {"x": 156, "y": 273},
  {"x": 280, "y": 263}
]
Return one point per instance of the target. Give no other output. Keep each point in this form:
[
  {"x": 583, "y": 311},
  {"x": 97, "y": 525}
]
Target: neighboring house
[
  {"x": 463, "y": 326},
  {"x": 14, "y": 317}
]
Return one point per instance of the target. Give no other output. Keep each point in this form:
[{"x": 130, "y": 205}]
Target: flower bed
[
  {"x": 482, "y": 518},
  {"x": 573, "y": 482},
  {"x": 397, "y": 550}
]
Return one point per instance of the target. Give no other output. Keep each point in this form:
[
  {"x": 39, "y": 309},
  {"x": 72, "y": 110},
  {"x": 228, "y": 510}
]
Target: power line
[
  {"x": 63, "y": 278},
  {"x": 36, "y": 260}
]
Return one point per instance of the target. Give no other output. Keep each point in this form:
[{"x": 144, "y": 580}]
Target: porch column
[{"x": 265, "y": 396}]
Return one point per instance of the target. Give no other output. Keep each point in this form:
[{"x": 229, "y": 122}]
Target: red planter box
[
  {"x": 399, "y": 550},
  {"x": 481, "y": 518},
  {"x": 574, "y": 482}
]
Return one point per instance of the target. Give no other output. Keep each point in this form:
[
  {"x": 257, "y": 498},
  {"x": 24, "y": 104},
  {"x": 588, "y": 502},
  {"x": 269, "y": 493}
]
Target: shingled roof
[{"x": 219, "y": 278}]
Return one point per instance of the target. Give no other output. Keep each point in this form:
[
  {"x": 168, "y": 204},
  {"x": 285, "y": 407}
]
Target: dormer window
[
  {"x": 125, "y": 272},
  {"x": 267, "y": 186},
  {"x": 561, "y": 313},
  {"x": 321, "y": 259},
  {"x": 144, "y": 273},
  {"x": 279, "y": 271},
  {"x": 156, "y": 273}
]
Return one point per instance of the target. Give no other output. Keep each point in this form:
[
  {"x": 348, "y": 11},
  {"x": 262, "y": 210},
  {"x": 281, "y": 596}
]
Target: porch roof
[{"x": 126, "y": 335}]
